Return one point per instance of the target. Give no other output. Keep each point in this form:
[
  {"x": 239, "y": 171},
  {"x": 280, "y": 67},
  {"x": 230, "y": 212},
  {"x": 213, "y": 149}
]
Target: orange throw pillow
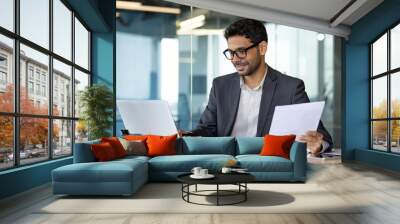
[
  {"x": 135, "y": 137},
  {"x": 277, "y": 145},
  {"x": 161, "y": 145},
  {"x": 116, "y": 145},
  {"x": 103, "y": 152}
]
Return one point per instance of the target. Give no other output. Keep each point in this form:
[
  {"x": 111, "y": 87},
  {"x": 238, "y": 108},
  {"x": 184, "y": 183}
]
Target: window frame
[
  {"x": 16, "y": 114},
  {"x": 388, "y": 74}
]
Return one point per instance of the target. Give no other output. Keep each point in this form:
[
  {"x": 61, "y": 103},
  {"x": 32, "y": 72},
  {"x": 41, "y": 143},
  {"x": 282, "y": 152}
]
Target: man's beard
[{"x": 251, "y": 67}]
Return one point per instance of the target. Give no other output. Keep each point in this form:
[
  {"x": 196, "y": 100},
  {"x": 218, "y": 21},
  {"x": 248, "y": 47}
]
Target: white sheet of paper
[
  {"x": 147, "y": 117},
  {"x": 296, "y": 119}
]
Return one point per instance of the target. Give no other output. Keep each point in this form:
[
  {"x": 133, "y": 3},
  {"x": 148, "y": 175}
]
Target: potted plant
[{"x": 96, "y": 102}]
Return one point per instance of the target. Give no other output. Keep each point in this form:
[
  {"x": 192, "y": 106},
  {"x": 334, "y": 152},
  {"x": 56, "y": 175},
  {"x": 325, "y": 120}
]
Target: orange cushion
[
  {"x": 103, "y": 151},
  {"x": 116, "y": 145},
  {"x": 135, "y": 137},
  {"x": 277, "y": 145},
  {"x": 161, "y": 145}
]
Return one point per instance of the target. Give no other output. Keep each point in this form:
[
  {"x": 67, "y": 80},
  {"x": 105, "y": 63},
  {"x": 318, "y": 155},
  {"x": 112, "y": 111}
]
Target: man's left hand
[{"x": 314, "y": 141}]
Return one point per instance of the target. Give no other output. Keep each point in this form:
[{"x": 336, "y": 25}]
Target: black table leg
[
  {"x": 245, "y": 193},
  {"x": 217, "y": 194},
  {"x": 182, "y": 190},
  {"x": 188, "y": 190},
  {"x": 185, "y": 188}
]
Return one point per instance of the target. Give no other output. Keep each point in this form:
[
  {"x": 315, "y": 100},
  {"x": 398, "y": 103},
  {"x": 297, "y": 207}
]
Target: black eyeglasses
[{"x": 240, "y": 52}]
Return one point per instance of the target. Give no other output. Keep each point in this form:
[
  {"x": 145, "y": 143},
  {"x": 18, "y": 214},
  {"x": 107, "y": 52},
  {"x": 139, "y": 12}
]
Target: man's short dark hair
[{"x": 249, "y": 28}]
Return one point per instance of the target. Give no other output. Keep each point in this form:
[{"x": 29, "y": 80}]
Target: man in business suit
[{"x": 243, "y": 103}]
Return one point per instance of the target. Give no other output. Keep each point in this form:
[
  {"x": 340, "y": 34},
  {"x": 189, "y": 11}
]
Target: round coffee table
[{"x": 238, "y": 179}]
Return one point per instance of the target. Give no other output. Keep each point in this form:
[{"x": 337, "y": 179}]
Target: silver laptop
[{"x": 147, "y": 117}]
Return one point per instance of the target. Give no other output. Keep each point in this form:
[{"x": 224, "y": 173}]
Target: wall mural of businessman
[{"x": 243, "y": 103}]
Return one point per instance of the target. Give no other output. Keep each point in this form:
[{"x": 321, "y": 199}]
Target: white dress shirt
[
  {"x": 247, "y": 115},
  {"x": 249, "y": 107}
]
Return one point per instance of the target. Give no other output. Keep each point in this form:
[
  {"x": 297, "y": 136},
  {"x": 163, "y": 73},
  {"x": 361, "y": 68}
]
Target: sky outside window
[
  {"x": 62, "y": 29},
  {"x": 35, "y": 21},
  {"x": 7, "y": 14}
]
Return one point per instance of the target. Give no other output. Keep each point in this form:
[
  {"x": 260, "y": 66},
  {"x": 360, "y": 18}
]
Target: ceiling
[
  {"x": 319, "y": 9},
  {"x": 325, "y": 16}
]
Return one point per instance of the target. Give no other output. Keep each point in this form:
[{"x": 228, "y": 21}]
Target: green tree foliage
[{"x": 33, "y": 131}]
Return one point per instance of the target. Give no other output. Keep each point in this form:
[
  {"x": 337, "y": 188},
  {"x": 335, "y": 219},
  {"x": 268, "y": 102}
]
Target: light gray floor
[{"x": 351, "y": 181}]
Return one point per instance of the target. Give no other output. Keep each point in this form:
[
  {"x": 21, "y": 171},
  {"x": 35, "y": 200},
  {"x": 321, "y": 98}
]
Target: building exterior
[{"x": 34, "y": 80}]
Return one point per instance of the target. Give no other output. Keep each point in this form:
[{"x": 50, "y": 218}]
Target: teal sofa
[{"x": 125, "y": 176}]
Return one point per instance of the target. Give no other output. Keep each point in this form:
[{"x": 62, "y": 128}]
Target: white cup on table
[
  {"x": 203, "y": 172},
  {"x": 196, "y": 170}
]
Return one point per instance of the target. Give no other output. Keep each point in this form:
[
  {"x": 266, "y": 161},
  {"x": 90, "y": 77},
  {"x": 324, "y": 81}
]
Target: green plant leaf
[{"x": 97, "y": 103}]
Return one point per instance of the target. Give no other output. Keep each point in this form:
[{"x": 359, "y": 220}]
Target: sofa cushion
[
  {"x": 131, "y": 158},
  {"x": 134, "y": 147},
  {"x": 257, "y": 163},
  {"x": 135, "y": 137},
  {"x": 112, "y": 171},
  {"x": 103, "y": 152},
  {"x": 275, "y": 145},
  {"x": 83, "y": 152},
  {"x": 185, "y": 163},
  {"x": 249, "y": 145},
  {"x": 116, "y": 145},
  {"x": 208, "y": 145},
  {"x": 161, "y": 145}
]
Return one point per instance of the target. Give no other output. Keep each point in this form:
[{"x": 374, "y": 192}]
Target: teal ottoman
[{"x": 118, "y": 177}]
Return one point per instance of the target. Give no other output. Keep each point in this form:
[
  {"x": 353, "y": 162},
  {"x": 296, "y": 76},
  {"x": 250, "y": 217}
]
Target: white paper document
[
  {"x": 296, "y": 119},
  {"x": 147, "y": 117}
]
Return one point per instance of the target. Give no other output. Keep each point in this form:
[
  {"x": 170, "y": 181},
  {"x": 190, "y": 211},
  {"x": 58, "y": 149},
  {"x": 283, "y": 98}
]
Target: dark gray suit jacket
[{"x": 219, "y": 116}]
